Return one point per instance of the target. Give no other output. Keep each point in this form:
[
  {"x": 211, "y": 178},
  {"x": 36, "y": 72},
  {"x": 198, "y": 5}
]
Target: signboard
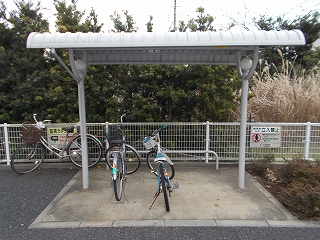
[
  {"x": 265, "y": 137},
  {"x": 56, "y": 136}
]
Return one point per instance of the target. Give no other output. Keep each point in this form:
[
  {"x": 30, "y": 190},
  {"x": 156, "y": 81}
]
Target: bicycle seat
[{"x": 68, "y": 129}]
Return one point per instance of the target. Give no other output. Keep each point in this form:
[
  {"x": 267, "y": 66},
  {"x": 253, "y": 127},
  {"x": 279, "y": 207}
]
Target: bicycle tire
[
  {"x": 74, "y": 151},
  {"x": 27, "y": 158},
  {"x": 118, "y": 176},
  {"x": 153, "y": 166},
  {"x": 164, "y": 187},
  {"x": 132, "y": 157}
]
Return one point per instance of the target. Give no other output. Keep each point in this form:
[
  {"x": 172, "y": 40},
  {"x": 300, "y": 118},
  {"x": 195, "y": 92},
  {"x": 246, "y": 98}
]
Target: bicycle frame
[
  {"x": 119, "y": 175},
  {"x": 114, "y": 165},
  {"x": 121, "y": 153},
  {"x": 60, "y": 153},
  {"x": 29, "y": 155},
  {"x": 56, "y": 151},
  {"x": 161, "y": 156},
  {"x": 166, "y": 178},
  {"x": 153, "y": 142}
]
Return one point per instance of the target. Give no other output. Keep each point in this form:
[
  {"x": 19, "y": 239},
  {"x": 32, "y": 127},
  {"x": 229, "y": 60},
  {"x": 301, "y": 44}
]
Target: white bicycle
[
  {"x": 28, "y": 157},
  {"x": 161, "y": 165}
]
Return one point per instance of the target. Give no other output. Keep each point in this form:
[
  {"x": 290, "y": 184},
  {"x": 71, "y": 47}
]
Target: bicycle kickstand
[{"x": 155, "y": 198}]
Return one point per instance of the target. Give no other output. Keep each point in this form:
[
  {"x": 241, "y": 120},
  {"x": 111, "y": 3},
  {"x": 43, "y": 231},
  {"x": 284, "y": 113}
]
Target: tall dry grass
[{"x": 286, "y": 96}]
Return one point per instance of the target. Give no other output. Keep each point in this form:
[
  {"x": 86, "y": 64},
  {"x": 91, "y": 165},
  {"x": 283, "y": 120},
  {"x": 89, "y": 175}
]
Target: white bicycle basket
[{"x": 149, "y": 143}]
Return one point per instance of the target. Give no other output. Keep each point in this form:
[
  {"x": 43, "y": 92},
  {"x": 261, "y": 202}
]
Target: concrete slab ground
[{"x": 205, "y": 197}]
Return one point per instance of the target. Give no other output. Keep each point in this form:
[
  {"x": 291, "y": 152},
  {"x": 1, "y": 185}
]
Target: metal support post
[
  {"x": 307, "y": 144},
  {"x": 207, "y": 140},
  {"x": 6, "y": 142},
  {"x": 243, "y": 129}
]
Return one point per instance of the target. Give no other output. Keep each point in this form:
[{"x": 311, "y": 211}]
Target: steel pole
[{"x": 243, "y": 129}]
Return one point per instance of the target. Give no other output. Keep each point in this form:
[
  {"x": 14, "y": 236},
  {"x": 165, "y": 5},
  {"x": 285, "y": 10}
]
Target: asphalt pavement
[{"x": 51, "y": 204}]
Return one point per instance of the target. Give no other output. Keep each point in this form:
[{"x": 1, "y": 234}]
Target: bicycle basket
[
  {"x": 149, "y": 143},
  {"x": 113, "y": 134},
  {"x": 29, "y": 133}
]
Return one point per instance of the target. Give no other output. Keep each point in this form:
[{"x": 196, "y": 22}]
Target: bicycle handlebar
[
  {"x": 120, "y": 125},
  {"x": 40, "y": 124},
  {"x": 158, "y": 130},
  {"x": 163, "y": 127}
]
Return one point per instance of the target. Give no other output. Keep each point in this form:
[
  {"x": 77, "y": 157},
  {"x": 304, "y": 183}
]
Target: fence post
[
  {"x": 107, "y": 142},
  {"x": 6, "y": 142},
  {"x": 307, "y": 141},
  {"x": 207, "y": 140},
  {"x": 107, "y": 135}
]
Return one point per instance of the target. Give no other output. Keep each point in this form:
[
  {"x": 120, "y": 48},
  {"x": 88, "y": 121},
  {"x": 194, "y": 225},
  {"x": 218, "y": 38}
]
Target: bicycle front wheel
[
  {"x": 74, "y": 151},
  {"x": 118, "y": 176},
  {"x": 132, "y": 157},
  {"x": 153, "y": 166},
  {"x": 164, "y": 187},
  {"x": 27, "y": 158}
]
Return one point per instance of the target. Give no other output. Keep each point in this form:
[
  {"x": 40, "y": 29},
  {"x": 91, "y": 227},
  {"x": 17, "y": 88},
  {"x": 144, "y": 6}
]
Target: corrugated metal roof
[{"x": 166, "y": 48}]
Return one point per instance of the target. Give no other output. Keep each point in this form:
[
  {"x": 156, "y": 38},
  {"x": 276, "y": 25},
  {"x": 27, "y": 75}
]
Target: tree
[
  {"x": 150, "y": 24},
  {"x": 68, "y": 17},
  {"x": 91, "y": 23},
  {"x": 182, "y": 26},
  {"x": 22, "y": 73},
  {"x": 63, "y": 86},
  {"x": 127, "y": 26},
  {"x": 153, "y": 92},
  {"x": 178, "y": 92},
  {"x": 313, "y": 59},
  {"x": 201, "y": 23},
  {"x": 308, "y": 24}
]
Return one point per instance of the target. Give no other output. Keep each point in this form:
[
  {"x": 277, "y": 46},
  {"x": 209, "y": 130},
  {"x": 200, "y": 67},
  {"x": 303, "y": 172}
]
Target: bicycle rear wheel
[
  {"x": 74, "y": 151},
  {"x": 164, "y": 187},
  {"x": 27, "y": 158},
  {"x": 132, "y": 157},
  {"x": 153, "y": 166},
  {"x": 118, "y": 176}
]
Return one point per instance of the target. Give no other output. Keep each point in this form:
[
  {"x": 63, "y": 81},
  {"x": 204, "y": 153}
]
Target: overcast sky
[{"x": 163, "y": 10}]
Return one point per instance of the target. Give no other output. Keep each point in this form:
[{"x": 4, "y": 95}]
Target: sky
[{"x": 163, "y": 11}]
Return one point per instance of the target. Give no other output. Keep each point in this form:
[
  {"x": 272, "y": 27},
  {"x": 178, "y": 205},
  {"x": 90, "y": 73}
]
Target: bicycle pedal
[{"x": 175, "y": 185}]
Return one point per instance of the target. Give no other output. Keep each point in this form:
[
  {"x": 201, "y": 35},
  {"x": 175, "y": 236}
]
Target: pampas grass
[{"x": 288, "y": 95}]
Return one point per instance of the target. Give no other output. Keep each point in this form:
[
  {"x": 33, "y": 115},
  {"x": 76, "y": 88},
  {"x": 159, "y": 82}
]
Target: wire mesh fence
[{"x": 296, "y": 139}]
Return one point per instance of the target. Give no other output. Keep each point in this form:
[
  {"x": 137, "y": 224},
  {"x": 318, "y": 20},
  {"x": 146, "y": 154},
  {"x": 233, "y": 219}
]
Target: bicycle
[
  {"x": 28, "y": 157},
  {"x": 152, "y": 143},
  {"x": 122, "y": 158}
]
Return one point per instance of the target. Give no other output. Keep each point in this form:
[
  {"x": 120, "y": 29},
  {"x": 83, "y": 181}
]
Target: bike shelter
[{"x": 233, "y": 47}]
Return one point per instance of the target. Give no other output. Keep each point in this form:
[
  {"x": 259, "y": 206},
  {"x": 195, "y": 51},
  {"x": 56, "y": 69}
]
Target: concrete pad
[{"x": 206, "y": 197}]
